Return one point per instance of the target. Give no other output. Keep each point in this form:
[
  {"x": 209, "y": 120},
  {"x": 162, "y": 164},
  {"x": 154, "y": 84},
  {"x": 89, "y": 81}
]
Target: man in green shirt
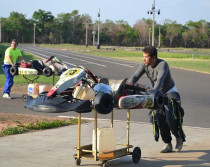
[{"x": 11, "y": 55}]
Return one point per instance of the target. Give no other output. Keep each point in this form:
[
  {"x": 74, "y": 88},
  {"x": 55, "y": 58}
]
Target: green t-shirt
[{"x": 14, "y": 54}]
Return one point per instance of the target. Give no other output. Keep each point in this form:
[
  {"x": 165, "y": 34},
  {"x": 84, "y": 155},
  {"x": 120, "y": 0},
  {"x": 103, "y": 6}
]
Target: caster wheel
[
  {"x": 105, "y": 164},
  {"x": 78, "y": 162},
  {"x": 136, "y": 155},
  {"x": 24, "y": 98}
]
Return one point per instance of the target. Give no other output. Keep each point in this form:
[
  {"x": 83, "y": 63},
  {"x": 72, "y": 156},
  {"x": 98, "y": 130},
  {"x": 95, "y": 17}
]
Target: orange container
[{"x": 33, "y": 89}]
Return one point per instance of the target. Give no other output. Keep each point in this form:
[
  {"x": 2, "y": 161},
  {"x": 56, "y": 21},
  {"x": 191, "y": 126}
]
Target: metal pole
[
  {"x": 86, "y": 25},
  {"x": 79, "y": 136},
  {"x": 95, "y": 141},
  {"x": 34, "y": 33},
  {"x": 128, "y": 129},
  {"x": 94, "y": 33},
  {"x": 98, "y": 28},
  {"x": 159, "y": 37},
  {"x": 149, "y": 35},
  {"x": 153, "y": 24},
  {"x": 112, "y": 118}
]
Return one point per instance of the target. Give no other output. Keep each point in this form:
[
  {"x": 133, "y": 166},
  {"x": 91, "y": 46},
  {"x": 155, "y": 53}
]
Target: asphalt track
[{"x": 193, "y": 86}]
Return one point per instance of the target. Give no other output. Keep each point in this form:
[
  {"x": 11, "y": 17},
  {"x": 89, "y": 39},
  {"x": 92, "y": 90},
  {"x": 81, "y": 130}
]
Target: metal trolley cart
[{"x": 87, "y": 152}]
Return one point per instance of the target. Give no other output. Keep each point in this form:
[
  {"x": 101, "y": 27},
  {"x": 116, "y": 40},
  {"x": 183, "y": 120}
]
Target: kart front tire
[
  {"x": 47, "y": 72},
  {"x": 103, "y": 103}
]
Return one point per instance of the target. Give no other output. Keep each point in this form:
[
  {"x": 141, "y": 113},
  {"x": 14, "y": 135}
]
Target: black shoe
[
  {"x": 168, "y": 148},
  {"x": 179, "y": 144}
]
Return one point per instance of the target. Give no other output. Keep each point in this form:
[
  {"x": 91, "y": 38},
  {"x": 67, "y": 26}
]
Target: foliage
[{"x": 71, "y": 28}]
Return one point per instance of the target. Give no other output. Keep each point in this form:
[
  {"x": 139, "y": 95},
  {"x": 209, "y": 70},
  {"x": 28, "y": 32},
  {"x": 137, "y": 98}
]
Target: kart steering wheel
[
  {"x": 89, "y": 73},
  {"x": 49, "y": 59}
]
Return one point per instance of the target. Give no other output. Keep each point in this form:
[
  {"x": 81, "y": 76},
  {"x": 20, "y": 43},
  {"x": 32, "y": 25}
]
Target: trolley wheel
[
  {"x": 24, "y": 97},
  {"x": 78, "y": 161},
  {"x": 136, "y": 155},
  {"x": 105, "y": 164}
]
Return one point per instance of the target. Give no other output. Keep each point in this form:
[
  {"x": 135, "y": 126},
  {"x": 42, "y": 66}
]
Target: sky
[{"x": 131, "y": 11}]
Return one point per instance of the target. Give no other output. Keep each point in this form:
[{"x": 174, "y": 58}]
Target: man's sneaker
[
  {"x": 168, "y": 148},
  {"x": 6, "y": 96},
  {"x": 179, "y": 144}
]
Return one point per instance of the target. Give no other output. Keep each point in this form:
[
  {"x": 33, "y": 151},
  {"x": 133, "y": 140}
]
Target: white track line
[
  {"x": 73, "y": 58},
  {"x": 107, "y": 61}
]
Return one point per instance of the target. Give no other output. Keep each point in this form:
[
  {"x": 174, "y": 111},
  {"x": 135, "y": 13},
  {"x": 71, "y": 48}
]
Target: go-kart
[
  {"x": 79, "y": 90},
  {"x": 74, "y": 91},
  {"x": 39, "y": 67}
]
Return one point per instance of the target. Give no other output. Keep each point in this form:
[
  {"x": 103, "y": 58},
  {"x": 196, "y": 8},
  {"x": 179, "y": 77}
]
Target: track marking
[
  {"x": 73, "y": 58},
  {"x": 80, "y": 55}
]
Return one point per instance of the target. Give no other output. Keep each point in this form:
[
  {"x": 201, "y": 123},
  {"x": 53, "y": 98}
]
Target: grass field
[{"x": 196, "y": 62}]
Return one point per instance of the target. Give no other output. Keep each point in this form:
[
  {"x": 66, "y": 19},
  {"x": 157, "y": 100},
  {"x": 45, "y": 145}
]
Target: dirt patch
[
  {"x": 17, "y": 88},
  {"x": 12, "y": 120}
]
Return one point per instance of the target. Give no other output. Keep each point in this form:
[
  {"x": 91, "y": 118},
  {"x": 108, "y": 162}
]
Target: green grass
[
  {"x": 38, "y": 126},
  {"x": 195, "y": 62}
]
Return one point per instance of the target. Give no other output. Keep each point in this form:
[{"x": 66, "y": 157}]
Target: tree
[
  {"x": 172, "y": 30},
  {"x": 143, "y": 27},
  {"x": 43, "y": 19},
  {"x": 16, "y": 26}
]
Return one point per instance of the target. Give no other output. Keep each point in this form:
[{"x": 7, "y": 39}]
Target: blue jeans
[{"x": 9, "y": 79}]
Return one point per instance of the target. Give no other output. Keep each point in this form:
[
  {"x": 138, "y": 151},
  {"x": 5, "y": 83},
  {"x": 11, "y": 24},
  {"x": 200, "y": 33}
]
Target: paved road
[{"x": 193, "y": 86}]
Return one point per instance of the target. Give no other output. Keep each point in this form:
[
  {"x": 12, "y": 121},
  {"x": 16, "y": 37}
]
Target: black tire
[
  {"x": 158, "y": 99},
  {"x": 14, "y": 70},
  {"x": 136, "y": 155},
  {"x": 78, "y": 162},
  {"x": 103, "y": 103},
  {"x": 47, "y": 72},
  {"x": 105, "y": 164},
  {"x": 24, "y": 97}
]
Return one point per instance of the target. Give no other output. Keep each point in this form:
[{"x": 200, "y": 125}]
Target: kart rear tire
[
  {"x": 14, "y": 70},
  {"x": 103, "y": 103},
  {"x": 47, "y": 72}
]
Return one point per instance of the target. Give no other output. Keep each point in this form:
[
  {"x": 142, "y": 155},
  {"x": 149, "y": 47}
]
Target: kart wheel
[
  {"x": 136, "y": 155},
  {"x": 47, "y": 72},
  {"x": 103, "y": 103},
  {"x": 78, "y": 161},
  {"x": 14, "y": 70}
]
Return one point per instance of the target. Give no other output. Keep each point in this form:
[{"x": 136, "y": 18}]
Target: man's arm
[
  {"x": 21, "y": 58},
  {"x": 137, "y": 75},
  {"x": 10, "y": 60}
]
